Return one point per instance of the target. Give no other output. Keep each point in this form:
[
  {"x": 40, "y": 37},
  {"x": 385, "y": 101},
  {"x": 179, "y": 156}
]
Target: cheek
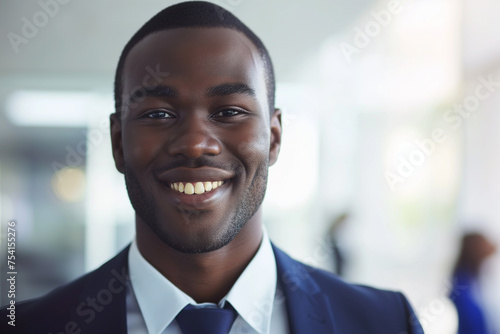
[
  {"x": 253, "y": 146},
  {"x": 140, "y": 147}
]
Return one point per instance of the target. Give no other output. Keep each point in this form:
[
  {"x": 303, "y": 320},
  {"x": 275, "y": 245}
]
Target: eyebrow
[
  {"x": 158, "y": 91},
  {"x": 168, "y": 91},
  {"x": 230, "y": 88}
]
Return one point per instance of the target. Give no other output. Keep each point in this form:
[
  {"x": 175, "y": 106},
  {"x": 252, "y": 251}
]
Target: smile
[{"x": 195, "y": 188}]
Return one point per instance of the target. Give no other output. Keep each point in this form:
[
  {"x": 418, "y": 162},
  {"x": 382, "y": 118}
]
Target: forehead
[{"x": 197, "y": 55}]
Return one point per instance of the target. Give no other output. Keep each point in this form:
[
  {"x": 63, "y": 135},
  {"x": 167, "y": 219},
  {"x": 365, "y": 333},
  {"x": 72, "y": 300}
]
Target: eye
[
  {"x": 227, "y": 113},
  {"x": 158, "y": 114}
]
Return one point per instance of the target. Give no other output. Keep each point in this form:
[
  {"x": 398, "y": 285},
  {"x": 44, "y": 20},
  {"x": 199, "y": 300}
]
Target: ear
[
  {"x": 274, "y": 148},
  {"x": 116, "y": 141}
]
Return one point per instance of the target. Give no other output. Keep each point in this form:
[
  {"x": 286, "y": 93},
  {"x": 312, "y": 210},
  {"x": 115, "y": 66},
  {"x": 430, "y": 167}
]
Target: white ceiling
[{"x": 86, "y": 37}]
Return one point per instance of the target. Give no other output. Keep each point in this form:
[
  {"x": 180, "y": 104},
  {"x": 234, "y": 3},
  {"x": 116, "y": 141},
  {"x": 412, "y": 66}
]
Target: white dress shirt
[{"x": 153, "y": 301}]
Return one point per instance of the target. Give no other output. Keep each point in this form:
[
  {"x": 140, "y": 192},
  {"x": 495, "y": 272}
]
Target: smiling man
[{"x": 194, "y": 133}]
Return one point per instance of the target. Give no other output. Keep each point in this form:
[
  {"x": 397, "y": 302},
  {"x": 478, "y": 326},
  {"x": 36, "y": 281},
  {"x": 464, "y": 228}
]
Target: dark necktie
[{"x": 203, "y": 320}]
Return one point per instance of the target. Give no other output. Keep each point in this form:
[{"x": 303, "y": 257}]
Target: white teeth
[
  {"x": 199, "y": 188},
  {"x": 191, "y": 188},
  {"x": 208, "y": 186}
]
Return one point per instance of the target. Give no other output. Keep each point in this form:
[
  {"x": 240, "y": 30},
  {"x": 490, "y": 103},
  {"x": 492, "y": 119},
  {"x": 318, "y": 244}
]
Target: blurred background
[{"x": 391, "y": 147}]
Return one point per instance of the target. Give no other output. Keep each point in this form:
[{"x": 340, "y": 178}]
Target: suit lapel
[
  {"x": 104, "y": 298},
  {"x": 309, "y": 311}
]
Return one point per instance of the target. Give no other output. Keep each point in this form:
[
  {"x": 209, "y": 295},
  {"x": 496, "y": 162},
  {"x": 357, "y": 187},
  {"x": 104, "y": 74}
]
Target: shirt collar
[{"x": 252, "y": 295}]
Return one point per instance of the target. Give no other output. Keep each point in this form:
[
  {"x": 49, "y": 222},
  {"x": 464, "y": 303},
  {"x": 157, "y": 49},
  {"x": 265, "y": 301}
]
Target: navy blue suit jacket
[{"x": 317, "y": 303}]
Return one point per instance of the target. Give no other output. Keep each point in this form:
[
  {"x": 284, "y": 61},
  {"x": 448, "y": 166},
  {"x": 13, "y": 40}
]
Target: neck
[{"x": 205, "y": 277}]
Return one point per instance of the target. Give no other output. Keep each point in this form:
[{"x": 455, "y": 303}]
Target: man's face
[{"x": 196, "y": 119}]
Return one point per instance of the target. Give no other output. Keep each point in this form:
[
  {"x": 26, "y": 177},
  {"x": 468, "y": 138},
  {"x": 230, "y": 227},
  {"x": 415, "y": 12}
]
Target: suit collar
[
  {"x": 160, "y": 300},
  {"x": 309, "y": 311}
]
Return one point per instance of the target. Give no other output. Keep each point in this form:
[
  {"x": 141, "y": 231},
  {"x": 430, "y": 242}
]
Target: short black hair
[{"x": 195, "y": 14}]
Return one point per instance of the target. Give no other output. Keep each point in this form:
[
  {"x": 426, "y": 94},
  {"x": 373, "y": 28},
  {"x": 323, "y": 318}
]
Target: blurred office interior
[{"x": 390, "y": 115}]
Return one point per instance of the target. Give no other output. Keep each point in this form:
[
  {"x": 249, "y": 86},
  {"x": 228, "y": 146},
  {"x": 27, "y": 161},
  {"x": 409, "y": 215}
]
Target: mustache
[{"x": 202, "y": 161}]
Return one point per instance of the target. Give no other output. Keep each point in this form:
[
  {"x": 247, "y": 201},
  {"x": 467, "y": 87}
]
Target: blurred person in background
[
  {"x": 475, "y": 248},
  {"x": 339, "y": 258}
]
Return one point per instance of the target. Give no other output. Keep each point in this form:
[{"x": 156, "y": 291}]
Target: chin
[{"x": 193, "y": 235}]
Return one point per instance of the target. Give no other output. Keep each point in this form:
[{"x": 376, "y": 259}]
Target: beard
[{"x": 147, "y": 209}]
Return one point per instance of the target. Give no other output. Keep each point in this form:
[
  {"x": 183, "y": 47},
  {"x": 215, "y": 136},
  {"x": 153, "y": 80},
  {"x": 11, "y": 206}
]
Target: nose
[{"x": 194, "y": 137}]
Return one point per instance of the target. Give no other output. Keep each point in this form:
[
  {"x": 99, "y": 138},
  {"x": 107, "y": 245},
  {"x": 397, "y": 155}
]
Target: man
[{"x": 194, "y": 132}]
